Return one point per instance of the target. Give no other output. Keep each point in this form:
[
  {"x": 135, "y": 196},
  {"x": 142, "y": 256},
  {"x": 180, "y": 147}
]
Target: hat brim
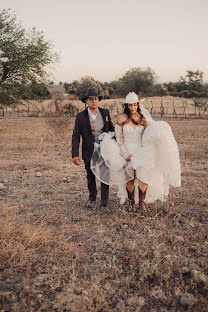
[
  {"x": 139, "y": 101},
  {"x": 84, "y": 98}
]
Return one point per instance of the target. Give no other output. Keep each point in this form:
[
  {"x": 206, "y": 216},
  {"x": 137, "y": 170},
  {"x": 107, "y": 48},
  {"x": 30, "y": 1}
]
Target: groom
[{"x": 89, "y": 124}]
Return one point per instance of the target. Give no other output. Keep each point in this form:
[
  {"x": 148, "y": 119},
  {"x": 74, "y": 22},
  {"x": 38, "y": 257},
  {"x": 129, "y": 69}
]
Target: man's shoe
[
  {"x": 90, "y": 204},
  {"x": 103, "y": 208}
]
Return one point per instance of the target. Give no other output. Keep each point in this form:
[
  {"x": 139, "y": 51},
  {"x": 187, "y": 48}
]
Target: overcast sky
[{"x": 105, "y": 38}]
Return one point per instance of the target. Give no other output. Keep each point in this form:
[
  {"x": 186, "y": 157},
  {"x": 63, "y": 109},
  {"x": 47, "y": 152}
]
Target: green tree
[
  {"x": 108, "y": 90},
  {"x": 140, "y": 80},
  {"x": 193, "y": 80},
  {"x": 71, "y": 88},
  {"x": 88, "y": 82},
  {"x": 25, "y": 56},
  {"x": 34, "y": 91}
]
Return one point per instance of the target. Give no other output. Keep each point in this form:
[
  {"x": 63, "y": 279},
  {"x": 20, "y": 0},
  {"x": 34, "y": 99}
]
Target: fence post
[
  {"x": 162, "y": 108},
  {"x": 116, "y": 108},
  {"x": 151, "y": 110},
  {"x": 174, "y": 110},
  {"x": 43, "y": 108},
  {"x": 184, "y": 108}
]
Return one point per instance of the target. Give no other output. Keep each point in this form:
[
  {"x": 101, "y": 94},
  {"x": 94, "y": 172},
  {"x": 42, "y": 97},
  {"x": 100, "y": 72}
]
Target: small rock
[
  {"x": 202, "y": 219},
  {"x": 39, "y": 296},
  {"x": 125, "y": 226},
  {"x": 198, "y": 277},
  {"x": 1, "y": 186},
  {"x": 185, "y": 270},
  {"x": 179, "y": 239},
  {"x": 85, "y": 292},
  {"x": 202, "y": 278},
  {"x": 66, "y": 180},
  {"x": 38, "y": 174},
  {"x": 150, "y": 235},
  {"x": 27, "y": 287},
  {"x": 187, "y": 299},
  {"x": 56, "y": 306},
  {"x": 125, "y": 295},
  {"x": 193, "y": 248},
  {"x": 146, "y": 229},
  {"x": 156, "y": 254},
  {"x": 121, "y": 305},
  {"x": 194, "y": 273},
  {"x": 172, "y": 204}
]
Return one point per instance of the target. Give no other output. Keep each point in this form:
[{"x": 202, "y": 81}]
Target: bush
[
  {"x": 189, "y": 93},
  {"x": 173, "y": 93},
  {"x": 70, "y": 110},
  {"x": 200, "y": 104}
]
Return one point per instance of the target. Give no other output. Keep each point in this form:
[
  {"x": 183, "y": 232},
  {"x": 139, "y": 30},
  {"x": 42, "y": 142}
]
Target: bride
[{"x": 143, "y": 160}]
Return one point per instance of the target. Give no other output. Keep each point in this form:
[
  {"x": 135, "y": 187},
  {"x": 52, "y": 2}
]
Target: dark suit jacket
[{"x": 83, "y": 129}]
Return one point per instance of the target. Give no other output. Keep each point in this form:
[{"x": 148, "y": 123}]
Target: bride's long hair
[{"x": 128, "y": 114}]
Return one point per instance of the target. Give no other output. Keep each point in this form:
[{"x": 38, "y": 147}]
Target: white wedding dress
[{"x": 154, "y": 159}]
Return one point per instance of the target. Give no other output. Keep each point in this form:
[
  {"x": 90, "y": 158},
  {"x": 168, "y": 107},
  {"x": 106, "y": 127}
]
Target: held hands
[
  {"x": 128, "y": 158},
  {"x": 76, "y": 160}
]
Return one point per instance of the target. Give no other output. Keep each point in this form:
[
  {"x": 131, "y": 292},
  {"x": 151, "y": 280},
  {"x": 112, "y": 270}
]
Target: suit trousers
[{"x": 91, "y": 182}]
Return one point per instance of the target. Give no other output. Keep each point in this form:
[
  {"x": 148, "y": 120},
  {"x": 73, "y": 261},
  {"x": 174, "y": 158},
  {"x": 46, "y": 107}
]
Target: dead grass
[{"x": 57, "y": 256}]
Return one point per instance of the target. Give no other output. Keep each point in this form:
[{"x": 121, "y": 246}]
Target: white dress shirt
[{"x": 91, "y": 114}]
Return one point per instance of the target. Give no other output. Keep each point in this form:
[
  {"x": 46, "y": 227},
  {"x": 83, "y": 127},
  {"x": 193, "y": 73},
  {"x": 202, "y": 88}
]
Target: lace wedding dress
[{"x": 154, "y": 159}]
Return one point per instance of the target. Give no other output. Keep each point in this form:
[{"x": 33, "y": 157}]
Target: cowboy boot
[
  {"x": 131, "y": 201},
  {"x": 142, "y": 204}
]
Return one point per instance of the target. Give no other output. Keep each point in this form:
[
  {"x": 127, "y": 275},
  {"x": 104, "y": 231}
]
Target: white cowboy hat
[{"x": 132, "y": 98}]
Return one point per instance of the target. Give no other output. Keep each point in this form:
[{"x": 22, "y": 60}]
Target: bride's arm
[{"x": 120, "y": 138}]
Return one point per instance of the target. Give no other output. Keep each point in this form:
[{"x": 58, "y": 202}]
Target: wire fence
[{"x": 157, "y": 106}]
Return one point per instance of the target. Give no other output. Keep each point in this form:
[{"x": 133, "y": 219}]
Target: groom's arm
[{"x": 76, "y": 140}]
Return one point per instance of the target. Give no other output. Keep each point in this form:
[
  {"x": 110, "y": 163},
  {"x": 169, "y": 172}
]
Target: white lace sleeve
[{"x": 120, "y": 141}]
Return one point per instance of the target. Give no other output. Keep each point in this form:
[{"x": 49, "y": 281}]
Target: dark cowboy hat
[{"x": 91, "y": 93}]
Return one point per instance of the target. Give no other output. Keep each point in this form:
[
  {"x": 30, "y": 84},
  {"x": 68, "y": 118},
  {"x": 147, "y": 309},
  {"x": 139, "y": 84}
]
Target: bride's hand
[{"x": 128, "y": 158}]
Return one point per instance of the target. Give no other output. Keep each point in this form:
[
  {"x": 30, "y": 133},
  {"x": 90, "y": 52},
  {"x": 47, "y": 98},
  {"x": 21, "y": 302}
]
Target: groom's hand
[{"x": 76, "y": 160}]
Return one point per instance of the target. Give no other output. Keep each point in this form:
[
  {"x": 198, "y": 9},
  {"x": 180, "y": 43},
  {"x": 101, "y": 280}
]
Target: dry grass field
[{"x": 55, "y": 255}]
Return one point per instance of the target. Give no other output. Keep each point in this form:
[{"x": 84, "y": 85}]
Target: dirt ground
[{"x": 55, "y": 255}]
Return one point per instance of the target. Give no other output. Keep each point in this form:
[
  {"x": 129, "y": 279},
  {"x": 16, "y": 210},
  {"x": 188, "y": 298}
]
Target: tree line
[
  {"x": 26, "y": 55},
  {"x": 143, "y": 82}
]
